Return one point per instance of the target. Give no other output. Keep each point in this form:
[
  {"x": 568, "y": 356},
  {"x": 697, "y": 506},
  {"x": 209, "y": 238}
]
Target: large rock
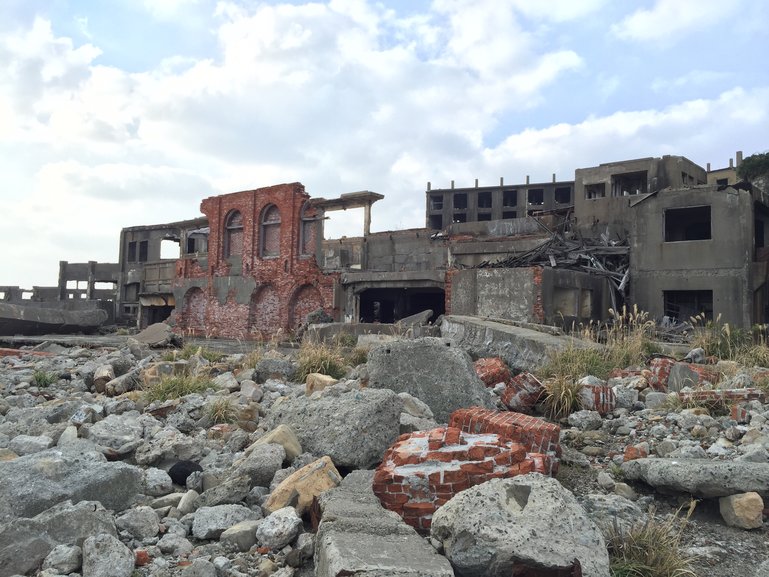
[
  {"x": 25, "y": 543},
  {"x": 357, "y": 536},
  {"x": 211, "y": 522},
  {"x": 527, "y": 522},
  {"x": 354, "y": 428},
  {"x": 744, "y": 510},
  {"x": 157, "y": 335},
  {"x": 261, "y": 463},
  {"x": 279, "y": 528},
  {"x": 33, "y": 483},
  {"x": 441, "y": 375},
  {"x": 281, "y": 435},
  {"x": 300, "y": 488},
  {"x": 700, "y": 477},
  {"x": 117, "y": 435},
  {"x": 105, "y": 556}
]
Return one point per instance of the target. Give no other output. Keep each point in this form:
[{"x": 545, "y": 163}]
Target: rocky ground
[{"x": 98, "y": 481}]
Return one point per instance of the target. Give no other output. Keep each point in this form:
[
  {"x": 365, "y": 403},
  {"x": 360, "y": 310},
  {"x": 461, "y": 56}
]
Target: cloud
[{"x": 669, "y": 20}]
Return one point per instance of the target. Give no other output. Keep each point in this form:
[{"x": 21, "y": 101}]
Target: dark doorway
[
  {"x": 152, "y": 315},
  {"x": 389, "y": 305}
]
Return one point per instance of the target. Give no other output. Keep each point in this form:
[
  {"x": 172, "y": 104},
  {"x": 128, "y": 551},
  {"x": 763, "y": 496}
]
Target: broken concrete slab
[
  {"x": 522, "y": 349},
  {"x": 33, "y": 483},
  {"x": 39, "y": 320},
  {"x": 353, "y": 427},
  {"x": 431, "y": 369},
  {"x": 157, "y": 335},
  {"x": 356, "y": 536},
  {"x": 700, "y": 477}
]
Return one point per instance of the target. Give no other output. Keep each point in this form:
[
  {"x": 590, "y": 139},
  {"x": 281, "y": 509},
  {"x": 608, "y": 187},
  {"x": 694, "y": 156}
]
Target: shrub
[
  {"x": 44, "y": 378},
  {"x": 221, "y": 411},
  {"x": 561, "y": 397},
  {"x": 651, "y": 548},
  {"x": 252, "y": 358},
  {"x": 357, "y": 356},
  {"x": 626, "y": 341},
  {"x": 345, "y": 340},
  {"x": 320, "y": 358},
  {"x": 177, "y": 386}
]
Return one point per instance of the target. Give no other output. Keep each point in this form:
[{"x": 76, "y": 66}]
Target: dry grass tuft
[
  {"x": 320, "y": 358},
  {"x": 221, "y": 410},
  {"x": 561, "y": 397},
  {"x": 651, "y": 548},
  {"x": 176, "y": 387}
]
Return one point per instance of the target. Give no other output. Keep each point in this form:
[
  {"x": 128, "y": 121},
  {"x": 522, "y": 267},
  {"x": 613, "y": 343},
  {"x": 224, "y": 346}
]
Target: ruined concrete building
[{"x": 663, "y": 233}]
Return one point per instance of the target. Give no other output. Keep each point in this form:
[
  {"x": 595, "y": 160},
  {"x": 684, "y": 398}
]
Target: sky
[{"x": 117, "y": 113}]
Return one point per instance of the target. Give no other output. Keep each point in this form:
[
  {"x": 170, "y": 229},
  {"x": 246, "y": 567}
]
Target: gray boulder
[
  {"x": 279, "y": 528},
  {"x": 432, "y": 370},
  {"x": 354, "y": 428},
  {"x": 64, "y": 559},
  {"x": 25, "y": 543},
  {"x": 700, "y": 477},
  {"x": 526, "y": 522},
  {"x": 117, "y": 435},
  {"x": 357, "y": 536},
  {"x": 33, "y": 483},
  {"x": 105, "y": 556},
  {"x": 28, "y": 444},
  {"x": 261, "y": 463},
  {"x": 141, "y": 522},
  {"x": 168, "y": 444},
  {"x": 211, "y": 522}
]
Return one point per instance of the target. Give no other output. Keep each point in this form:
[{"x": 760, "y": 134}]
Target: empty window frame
[
  {"x": 683, "y": 305},
  {"x": 233, "y": 234},
  {"x": 509, "y": 214},
  {"x": 436, "y": 202},
  {"x": 460, "y": 217},
  {"x": 482, "y": 216},
  {"x": 629, "y": 183},
  {"x": 536, "y": 196},
  {"x": 563, "y": 195},
  {"x": 596, "y": 190},
  {"x": 689, "y": 223},
  {"x": 436, "y": 221},
  {"x": 143, "y": 250},
  {"x": 510, "y": 198},
  {"x": 460, "y": 201},
  {"x": 131, "y": 251},
  {"x": 269, "y": 234},
  {"x": 484, "y": 199},
  {"x": 308, "y": 234}
]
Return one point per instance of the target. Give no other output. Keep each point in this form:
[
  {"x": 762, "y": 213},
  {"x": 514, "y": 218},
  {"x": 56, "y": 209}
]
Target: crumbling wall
[{"x": 251, "y": 289}]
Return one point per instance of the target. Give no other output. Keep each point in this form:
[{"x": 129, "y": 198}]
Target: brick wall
[
  {"x": 274, "y": 284},
  {"x": 423, "y": 470},
  {"x": 537, "y": 435}
]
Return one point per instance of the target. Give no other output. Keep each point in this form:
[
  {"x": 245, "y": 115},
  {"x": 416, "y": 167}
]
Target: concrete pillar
[
  {"x": 89, "y": 292},
  {"x": 367, "y": 219},
  {"x": 739, "y": 158},
  {"x": 62, "y": 280}
]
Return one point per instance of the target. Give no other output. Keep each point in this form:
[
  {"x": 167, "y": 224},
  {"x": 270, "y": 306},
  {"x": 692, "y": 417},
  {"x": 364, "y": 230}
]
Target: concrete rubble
[{"x": 100, "y": 483}]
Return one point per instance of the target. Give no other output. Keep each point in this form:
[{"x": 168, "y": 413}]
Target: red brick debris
[
  {"x": 492, "y": 370},
  {"x": 726, "y": 396},
  {"x": 540, "y": 438},
  {"x": 599, "y": 398},
  {"x": 522, "y": 393},
  {"x": 423, "y": 470}
]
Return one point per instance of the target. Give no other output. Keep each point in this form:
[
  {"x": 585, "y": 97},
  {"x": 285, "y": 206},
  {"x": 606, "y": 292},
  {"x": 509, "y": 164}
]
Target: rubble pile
[{"x": 258, "y": 475}]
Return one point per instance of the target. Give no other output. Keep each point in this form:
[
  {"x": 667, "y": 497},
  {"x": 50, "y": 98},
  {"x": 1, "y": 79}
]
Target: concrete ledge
[
  {"x": 358, "y": 537},
  {"x": 521, "y": 348}
]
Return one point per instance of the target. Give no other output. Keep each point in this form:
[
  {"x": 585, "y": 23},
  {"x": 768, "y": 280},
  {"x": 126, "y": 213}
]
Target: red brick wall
[
  {"x": 289, "y": 285},
  {"x": 538, "y": 312},
  {"x": 423, "y": 470},
  {"x": 537, "y": 435}
]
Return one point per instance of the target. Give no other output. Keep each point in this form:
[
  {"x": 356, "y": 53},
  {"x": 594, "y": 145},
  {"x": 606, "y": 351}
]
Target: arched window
[
  {"x": 269, "y": 233},
  {"x": 308, "y": 234},
  {"x": 233, "y": 234}
]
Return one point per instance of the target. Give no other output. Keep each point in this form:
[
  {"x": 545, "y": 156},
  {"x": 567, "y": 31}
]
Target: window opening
[
  {"x": 270, "y": 233},
  {"x": 690, "y": 223},
  {"x": 233, "y": 234}
]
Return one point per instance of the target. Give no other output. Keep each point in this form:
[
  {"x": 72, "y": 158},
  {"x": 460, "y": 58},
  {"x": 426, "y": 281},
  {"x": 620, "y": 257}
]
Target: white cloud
[{"x": 669, "y": 20}]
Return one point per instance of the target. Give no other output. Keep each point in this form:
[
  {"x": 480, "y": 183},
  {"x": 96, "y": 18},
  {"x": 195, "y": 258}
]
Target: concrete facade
[
  {"x": 603, "y": 193},
  {"x": 696, "y": 250}
]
